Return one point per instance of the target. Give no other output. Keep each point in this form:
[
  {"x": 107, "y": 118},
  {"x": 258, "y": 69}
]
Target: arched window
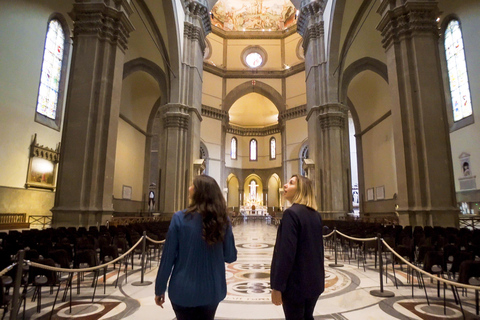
[
  {"x": 272, "y": 148},
  {"x": 253, "y": 150},
  {"x": 233, "y": 148},
  {"x": 48, "y": 110},
  {"x": 457, "y": 71},
  {"x": 303, "y": 155}
]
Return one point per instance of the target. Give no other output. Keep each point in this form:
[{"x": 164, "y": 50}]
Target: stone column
[
  {"x": 326, "y": 121},
  {"x": 426, "y": 191},
  {"x": 182, "y": 115},
  {"x": 85, "y": 181}
]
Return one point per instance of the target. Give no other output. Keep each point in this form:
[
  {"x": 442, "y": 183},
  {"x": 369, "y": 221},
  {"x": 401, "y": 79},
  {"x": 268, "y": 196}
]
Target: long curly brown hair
[{"x": 208, "y": 200}]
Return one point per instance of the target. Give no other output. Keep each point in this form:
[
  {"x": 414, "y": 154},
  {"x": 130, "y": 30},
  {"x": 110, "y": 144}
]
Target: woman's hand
[
  {"x": 160, "y": 300},
  {"x": 276, "y": 297}
]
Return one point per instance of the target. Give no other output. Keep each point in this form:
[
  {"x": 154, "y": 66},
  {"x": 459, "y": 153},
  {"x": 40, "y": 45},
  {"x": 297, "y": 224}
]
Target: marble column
[
  {"x": 85, "y": 180},
  {"x": 426, "y": 191},
  {"x": 182, "y": 115},
  {"x": 326, "y": 120}
]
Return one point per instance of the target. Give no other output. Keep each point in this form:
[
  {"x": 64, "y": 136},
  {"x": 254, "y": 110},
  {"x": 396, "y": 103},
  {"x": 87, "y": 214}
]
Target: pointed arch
[
  {"x": 363, "y": 64},
  {"x": 257, "y": 87}
]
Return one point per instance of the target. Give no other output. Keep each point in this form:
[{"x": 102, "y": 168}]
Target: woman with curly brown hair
[{"x": 199, "y": 242}]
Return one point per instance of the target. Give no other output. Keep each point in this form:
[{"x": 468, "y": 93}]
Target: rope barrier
[
  {"x": 155, "y": 241},
  {"x": 356, "y": 239},
  {"x": 330, "y": 234},
  {"x": 10, "y": 267},
  {"x": 434, "y": 277},
  {"x": 42, "y": 266}
]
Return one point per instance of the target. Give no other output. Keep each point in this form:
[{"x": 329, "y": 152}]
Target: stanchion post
[
  {"x": 381, "y": 293},
  {"x": 142, "y": 264},
  {"x": 16, "y": 287},
  {"x": 336, "y": 264}
]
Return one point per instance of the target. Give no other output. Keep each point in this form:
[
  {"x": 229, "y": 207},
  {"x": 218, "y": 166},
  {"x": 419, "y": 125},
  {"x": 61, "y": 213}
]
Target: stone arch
[
  {"x": 357, "y": 67},
  {"x": 273, "y": 199},
  {"x": 303, "y": 154},
  {"x": 154, "y": 125},
  {"x": 254, "y": 86},
  {"x": 246, "y": 184},
  {"x": 233, "y": 196},
  {"x": 204, "y": 155}
]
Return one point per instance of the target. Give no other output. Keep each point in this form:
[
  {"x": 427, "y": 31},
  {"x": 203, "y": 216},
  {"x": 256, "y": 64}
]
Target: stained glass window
[
  {"x": 233, "y": 148},
  {"x": 457, "y": 72},
  {"x": 253, "y": 150},
  {"x": 51, "y": 70},
  {"x": 254, "y": 59},
  {"x": 272, "y": 148}
]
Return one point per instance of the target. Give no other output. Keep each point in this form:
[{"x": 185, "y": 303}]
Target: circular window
[
  {"x": 254, "y": 57},
  {"x": 254, "y": 60}
]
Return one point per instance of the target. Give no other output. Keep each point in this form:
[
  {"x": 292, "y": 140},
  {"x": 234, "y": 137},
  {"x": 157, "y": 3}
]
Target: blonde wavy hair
[{"x": 304, "y": 194}]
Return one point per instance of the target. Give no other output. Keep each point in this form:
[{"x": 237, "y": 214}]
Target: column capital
[
  {"x": 332, "y": 116},
  {"x": 310, "y": 9},
  {"x": 195, "y": 33},
  {"x": 400, "y": 21},
  {"x": 199, "y": 9},
  {"x": 106, "y": 20},
  {"x": 178, "y": 115},
  {"x": 329, "y": 109}
]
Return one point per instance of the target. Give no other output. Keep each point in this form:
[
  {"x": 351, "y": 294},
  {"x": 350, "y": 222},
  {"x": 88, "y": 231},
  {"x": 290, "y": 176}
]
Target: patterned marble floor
[{"x": 347, "y": 294}]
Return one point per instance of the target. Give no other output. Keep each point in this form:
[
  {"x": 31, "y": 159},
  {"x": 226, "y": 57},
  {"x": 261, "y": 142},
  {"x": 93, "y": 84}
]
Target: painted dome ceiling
[{"x": 253, "y": 15}]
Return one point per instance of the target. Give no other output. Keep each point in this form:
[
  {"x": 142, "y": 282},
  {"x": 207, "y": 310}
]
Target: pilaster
[
  {"x": 182, "y": 116},
  {"x": 426, "y": 192},
  {"x": 85, "y": 181}
]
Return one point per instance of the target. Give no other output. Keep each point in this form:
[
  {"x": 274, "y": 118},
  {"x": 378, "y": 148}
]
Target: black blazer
[{"x": 297, "y": 266}]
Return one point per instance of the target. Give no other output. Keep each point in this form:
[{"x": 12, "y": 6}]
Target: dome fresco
[{"x": 253, "y": 15}]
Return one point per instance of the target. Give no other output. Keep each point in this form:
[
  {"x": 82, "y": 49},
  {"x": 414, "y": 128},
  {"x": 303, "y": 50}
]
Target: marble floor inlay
[{"x": 346, "y": 297}]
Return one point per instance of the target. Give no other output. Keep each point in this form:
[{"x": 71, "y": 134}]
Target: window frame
[
  {"x": 254, "y": 49},
  {"x": 454, "y": 125},
  {"x": 250, "y": 150},
  {"x": 236, "y": 148},
  {"x": 273, "y": 155},
  {"x": 40, "y": 118}
]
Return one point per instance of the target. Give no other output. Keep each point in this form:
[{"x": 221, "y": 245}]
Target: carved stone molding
[
  {"x": 214, "y": 113},
  {"x": 239, "y": 131},
  {"x": 330, "y": 115},
  {"x": 176, "y": 116},
  {"x": 40, "y": 151},
  {"x": 316, "y": 31},
  {"x": 308, "y": 9},
  {"x": 400, "y": 22},
  {"x": 194, "y": 33},
  {"x": 199, "y": 8},
  {"x": 104, "y": 21},
  {"x": 297, "y": 112}
]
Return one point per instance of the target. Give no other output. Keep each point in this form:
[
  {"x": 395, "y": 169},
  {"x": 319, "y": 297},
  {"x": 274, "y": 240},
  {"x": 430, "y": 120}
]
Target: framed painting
[
  {"x": 127, "y": 192},
  {"x": 380, "y": 192},
  {"x": 42, "y": 166},
  {"x": 370, "y": 196}
]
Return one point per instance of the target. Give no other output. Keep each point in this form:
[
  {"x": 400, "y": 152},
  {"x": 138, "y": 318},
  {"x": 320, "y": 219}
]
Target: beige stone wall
[
  {"x": 130, "y": 161},
  {"x": 22, "y": 37},
  {"x": 236, "y": 47},
  {"x": 29, "y": 201},
  {"x": 211, "y": 136},
  {"x": 467, "y": 139},
  {"x": 243, "y": 160},
  {"x": 369, "y": 94},
  {"x": 216, "y": 54},
  {"x": 212, "y": 90},
  {"x": 296, "y": 90}
]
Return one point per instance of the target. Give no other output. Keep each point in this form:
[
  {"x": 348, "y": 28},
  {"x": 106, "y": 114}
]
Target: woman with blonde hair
[
  {"x": 298, "y": 274},
  {"x": 199, "y": 242}
]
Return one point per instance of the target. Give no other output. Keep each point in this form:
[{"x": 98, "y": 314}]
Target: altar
[{"x": 253, "y": 211}]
